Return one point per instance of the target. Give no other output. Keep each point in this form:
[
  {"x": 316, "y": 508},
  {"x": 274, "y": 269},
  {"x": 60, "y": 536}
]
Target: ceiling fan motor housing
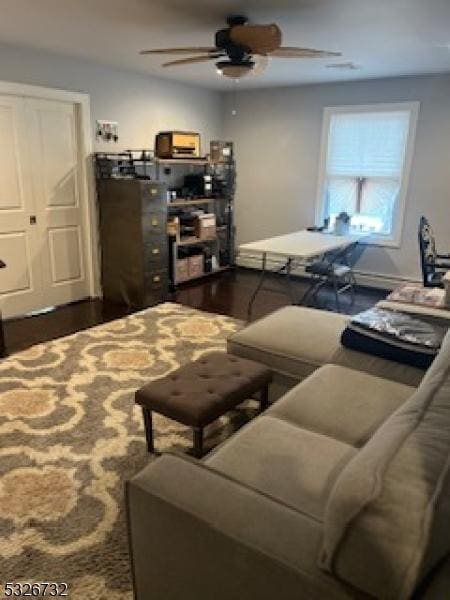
[
  {"x": 236, "y": 20},
  {"x": 225, "y": 43}
]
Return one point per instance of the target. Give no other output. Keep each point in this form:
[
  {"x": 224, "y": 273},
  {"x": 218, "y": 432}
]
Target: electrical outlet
[{"x": 108, "y": 131}]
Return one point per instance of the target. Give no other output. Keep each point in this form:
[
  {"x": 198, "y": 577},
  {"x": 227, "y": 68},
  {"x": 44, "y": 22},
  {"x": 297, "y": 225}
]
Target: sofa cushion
[
  {"x": 293, "y": 465},
  {"x": 387, "y": 522},
  {"x": 296, "y": 341},
  {"x": 342, "y": 403}
]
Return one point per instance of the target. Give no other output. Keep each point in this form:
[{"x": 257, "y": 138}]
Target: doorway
[{"x": 45, "y": 213}]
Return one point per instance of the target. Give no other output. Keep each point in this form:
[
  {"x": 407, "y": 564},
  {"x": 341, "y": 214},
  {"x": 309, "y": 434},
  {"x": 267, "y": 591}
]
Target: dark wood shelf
[
  {"x": 191, "y": 202},
  {"x": 194, "y": 241},
  {"x": 204, "y": 275},
  {"x": 182, "y": 161}
]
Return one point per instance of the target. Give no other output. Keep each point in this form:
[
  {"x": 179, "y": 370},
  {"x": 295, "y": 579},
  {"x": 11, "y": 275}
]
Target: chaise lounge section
[{"x": 294, "y": 341}]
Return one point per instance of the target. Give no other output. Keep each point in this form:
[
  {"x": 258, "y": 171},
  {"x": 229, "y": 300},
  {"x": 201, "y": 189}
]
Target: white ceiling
[{"x": 385, "y": 37}]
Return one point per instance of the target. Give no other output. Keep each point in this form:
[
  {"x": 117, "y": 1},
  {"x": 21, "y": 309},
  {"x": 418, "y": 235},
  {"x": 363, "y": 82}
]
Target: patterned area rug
[{"x": 71, "y": 435}]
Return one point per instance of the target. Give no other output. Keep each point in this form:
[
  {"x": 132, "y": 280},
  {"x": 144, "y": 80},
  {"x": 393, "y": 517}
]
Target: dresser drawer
[
  {"x": 156, "y": 287},
  {"x": 154, "y": 222},
  {"x": 156, "y": 252},
  {"x": 154, "y": 197},
  {"x": 156, "y": 281}
]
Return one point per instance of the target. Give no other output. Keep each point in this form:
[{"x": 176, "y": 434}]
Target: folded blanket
[
  {"x": 417, "y": 294},
  {"x": 396, "y": 336}
]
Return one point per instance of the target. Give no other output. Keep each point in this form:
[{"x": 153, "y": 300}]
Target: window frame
[{"x": 394, "y": 239}]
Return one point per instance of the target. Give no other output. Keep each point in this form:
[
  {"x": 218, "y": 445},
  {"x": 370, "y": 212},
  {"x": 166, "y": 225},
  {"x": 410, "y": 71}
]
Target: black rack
[
  {"x": 130, "y": 163},
  {"x": 141, "y": 164}
]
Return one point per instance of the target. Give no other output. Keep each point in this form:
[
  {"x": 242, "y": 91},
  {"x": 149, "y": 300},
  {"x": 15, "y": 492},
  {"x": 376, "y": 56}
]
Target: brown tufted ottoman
[{"x": 202, "y": 391}]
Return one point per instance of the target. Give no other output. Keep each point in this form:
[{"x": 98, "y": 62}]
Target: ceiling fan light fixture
[{"x": 234, "y": 70}]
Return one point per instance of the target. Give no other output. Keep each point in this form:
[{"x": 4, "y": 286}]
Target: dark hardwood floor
[
  {"x": 230, "y": 294},
  {"x": 227, "y": 294}
]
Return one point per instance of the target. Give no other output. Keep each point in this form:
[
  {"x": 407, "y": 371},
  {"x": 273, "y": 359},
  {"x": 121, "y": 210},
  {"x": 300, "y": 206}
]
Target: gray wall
[
  {"x": 277, "y": 137},
  {"x": 142, "y": 105}
]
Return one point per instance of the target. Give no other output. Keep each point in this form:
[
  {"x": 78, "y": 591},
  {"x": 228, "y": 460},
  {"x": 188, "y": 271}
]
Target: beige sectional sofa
[{"x": 341, "y": 489}]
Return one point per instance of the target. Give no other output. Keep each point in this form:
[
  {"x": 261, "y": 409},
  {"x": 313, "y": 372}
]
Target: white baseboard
[{"x": 374, "y": 280}]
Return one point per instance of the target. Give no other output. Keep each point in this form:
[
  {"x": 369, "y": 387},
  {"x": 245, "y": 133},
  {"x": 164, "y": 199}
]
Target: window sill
[{"x": 387, "y": 242}]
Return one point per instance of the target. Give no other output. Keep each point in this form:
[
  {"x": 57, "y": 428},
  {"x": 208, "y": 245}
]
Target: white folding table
[{"x": 298, "y": 246}]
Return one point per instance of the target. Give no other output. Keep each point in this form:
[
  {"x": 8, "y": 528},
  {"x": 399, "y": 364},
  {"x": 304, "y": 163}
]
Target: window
[{"x": 366, "y": 153}]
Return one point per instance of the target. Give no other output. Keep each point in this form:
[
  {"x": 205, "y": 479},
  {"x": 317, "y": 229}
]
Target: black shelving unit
[{"x": 141, "y": 164}]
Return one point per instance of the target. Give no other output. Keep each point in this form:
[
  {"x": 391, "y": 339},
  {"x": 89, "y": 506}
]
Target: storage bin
[
  {"x": 205, "y": 226},
  {"x": 182, "y": 269},
  {"x": 196, "y": 265}
]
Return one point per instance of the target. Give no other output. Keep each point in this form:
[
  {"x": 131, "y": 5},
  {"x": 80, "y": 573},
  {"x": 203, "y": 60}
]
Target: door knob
[{"x": 33, "y": 220}]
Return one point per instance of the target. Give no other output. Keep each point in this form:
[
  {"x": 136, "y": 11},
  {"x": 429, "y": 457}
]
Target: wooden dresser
[{"x": 134, "y": 250}]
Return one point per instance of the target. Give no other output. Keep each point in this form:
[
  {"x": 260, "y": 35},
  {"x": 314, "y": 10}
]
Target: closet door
[
  {"x": 55, "y": 160},
  {"x": 20, "y": 281}
]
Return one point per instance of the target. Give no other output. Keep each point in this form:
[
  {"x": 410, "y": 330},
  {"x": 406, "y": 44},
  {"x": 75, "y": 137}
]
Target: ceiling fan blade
[
  {"x": 261, "y": 39},
  {"x": 293, "y": 52},
  {"x": 192, "y": 50},
  {"x": 191, "y": 60},
  {"x": 351, "y": 66}
]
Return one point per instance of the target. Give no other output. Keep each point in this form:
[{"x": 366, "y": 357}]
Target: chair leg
[
  {"x": 352, "y": 288},
  {"x": 148, "y": 426},
  {"x": 312, "y": 290},
  {"x": 321, "y": 281},
  {"x": 306, "y": 293},
  {"x": 198, "y": 442},
  {"x": 336, "y": 292},
  {"x": 264, "y": 400}
]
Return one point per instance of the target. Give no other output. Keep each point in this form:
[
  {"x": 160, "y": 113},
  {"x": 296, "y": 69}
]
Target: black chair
[
  {"x": 335, "y": 268},
  {"x": 433, "y": 264}
]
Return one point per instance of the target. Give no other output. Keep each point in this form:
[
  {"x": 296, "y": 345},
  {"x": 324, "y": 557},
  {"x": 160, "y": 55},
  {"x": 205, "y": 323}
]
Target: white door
[
  {"x": 41, "y": 213},
  {"x": 21, "y": 280},
  {"x": 56, "y": 170}
]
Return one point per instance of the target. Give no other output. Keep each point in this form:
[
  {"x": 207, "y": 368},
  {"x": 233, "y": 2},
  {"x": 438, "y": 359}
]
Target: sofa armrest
[{"x": 195, "y": 533}]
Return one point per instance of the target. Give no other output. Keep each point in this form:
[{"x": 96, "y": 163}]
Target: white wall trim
[
  {"x": 82, "y": 102},
  {"x": 45, "y": 93},
  {"x": 394, "y": 240},
  {"x": 375, "y": 280}
]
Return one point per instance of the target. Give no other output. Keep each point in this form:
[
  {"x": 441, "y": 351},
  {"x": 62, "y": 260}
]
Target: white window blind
[
  {"x": 365, "y": 158},
  {"x": 368, "y": 144}
]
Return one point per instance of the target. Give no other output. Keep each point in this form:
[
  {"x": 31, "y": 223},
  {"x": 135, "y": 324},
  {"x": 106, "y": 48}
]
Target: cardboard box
[
  {"x": 196, "y": 265},
  {"x": 182, "y": 269},
  {"x": 173, "y": 227},
  {"x": 205, "y": 226},
  {"x": 220, "y": 151}
]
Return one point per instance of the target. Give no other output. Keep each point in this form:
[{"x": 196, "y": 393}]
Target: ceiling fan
[{"x": 241, "y": 47}]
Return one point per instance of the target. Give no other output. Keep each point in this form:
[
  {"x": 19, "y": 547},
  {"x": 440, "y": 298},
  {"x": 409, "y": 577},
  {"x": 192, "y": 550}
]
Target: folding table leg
[
  {"x": 258, "y": 287},
  {"x": 289, "y": 281}
]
